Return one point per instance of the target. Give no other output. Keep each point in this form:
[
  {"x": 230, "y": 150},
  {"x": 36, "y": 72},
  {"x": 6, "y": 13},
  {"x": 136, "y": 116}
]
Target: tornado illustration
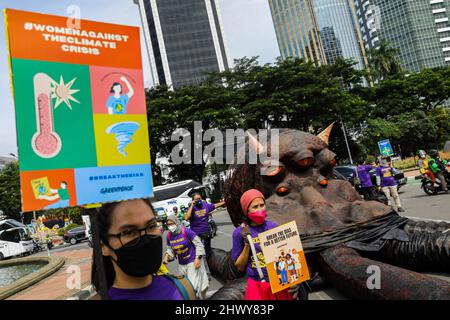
[{"x": 124, "y": 132}]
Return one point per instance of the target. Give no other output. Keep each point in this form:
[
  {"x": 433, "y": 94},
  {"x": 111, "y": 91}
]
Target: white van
[
  {"x": 15, "y": 242},
  {"x": 175, "y": 195}
]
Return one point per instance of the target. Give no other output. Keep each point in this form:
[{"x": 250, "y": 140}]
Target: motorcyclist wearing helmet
[
  {"x": 424, "y": 167},
  {"x": 437, "y": 165}
]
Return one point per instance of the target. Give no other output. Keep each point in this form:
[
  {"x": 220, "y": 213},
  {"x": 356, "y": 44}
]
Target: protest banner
[
  {"x": 284, "y": 256},
  {"x": 80, "y": 111}
]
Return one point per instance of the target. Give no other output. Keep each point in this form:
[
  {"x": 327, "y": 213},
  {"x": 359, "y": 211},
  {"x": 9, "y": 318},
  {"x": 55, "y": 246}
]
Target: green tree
[
  {"x": 74, "y": 214},
  {"x": 408, "y": 110},
  {"x": 211, "y": 103},
  {"x": 383, "y": 61},
  {"x": 289, "y": 93},
  {"x": 10, "y": 202}
]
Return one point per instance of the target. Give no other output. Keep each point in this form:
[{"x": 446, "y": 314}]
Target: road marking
[{"x": 433, "y": 220}]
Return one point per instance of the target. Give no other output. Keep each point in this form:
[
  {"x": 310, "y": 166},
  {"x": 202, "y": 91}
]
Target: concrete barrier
[{"x": 54, "y": 263}]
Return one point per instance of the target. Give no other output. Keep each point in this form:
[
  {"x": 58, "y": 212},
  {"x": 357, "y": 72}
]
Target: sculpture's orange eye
[
  {"x": 282, "y": 191},
  {"x": 333, "y": 162},
  {"x": 306, "y": 162},
  {"x": 272, "y": 172}
]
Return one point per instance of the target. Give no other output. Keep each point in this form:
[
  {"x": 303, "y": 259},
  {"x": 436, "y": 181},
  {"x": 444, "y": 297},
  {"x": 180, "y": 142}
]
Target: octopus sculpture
[{"x": 344, "y": 237}]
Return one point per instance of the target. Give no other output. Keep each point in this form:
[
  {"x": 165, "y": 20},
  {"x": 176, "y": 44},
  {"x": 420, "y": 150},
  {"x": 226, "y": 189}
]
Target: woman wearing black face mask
[
  {"x": 198, "y": 216},
  {"x": 131, "y": 247}
]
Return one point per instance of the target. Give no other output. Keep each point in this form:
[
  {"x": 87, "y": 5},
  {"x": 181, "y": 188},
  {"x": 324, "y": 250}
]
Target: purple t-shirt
[
  {"x": 387, "y": 179},
  {"x": 238, "y": 246},
  {"x": 183, "y": 247},
  {"x": 364, "y": 175},
  {"x": 161, "y": 288},
  {"x": 200, "y": 216}
]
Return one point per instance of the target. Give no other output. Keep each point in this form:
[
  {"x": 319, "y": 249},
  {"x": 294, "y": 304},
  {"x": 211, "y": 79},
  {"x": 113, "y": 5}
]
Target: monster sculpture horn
[{"x": 325, "y": 134}]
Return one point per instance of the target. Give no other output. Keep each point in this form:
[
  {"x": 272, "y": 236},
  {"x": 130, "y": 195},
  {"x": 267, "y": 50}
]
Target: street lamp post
[{"x": 346, "y": 141}]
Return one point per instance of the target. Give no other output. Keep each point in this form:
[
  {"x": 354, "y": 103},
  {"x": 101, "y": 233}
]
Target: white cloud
[{"x": 249, "y": 29}]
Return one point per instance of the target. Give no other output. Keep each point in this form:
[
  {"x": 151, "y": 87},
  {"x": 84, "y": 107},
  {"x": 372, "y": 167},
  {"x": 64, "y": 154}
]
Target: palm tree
[{"x": 383, "y": 61}]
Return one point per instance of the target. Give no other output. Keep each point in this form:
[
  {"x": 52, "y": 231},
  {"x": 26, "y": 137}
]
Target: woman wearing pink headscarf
[{"x": 254, "y": 208}]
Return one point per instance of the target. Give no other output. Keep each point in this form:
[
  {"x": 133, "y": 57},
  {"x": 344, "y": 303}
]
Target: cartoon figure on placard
[
  {"x": 117, "y": 103},
  {"x": 276, "y": 267},
  {"x": 291, "y": 267},
  {"x": 298, "y": 265},
  {"x": 282, "y": 266},
  {"x": 61, "y": 194}
]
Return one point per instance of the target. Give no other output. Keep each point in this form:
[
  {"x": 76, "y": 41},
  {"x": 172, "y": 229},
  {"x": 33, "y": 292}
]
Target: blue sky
[{"x": 248, "y": 31}]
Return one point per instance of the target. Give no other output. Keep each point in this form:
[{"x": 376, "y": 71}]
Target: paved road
[
  {"x": 65, "y": 247},
  {"x": 420, "y": 205}
]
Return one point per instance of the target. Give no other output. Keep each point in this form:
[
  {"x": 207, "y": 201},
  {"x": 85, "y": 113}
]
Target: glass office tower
[
  {"x": 420, "y": 29},
  {"x": 297, "y": 30},
  {"x": 333, "y": 28},
  {"x": 186, "y": 40}
]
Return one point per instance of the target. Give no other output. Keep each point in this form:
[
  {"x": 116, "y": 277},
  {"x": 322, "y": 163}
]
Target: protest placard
[
  {"x": 80, "y": 110},
  {"x": 284, "y": 256}
]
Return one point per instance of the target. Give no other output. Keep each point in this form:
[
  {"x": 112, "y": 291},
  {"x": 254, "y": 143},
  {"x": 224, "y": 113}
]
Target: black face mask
[
  {"x": 143, "y": 259},
  {"x": 198, "y": 203}
]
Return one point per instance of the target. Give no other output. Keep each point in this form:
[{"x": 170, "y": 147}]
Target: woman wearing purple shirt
[
  {"x": 198, "y": 217},
  {"x": 254, "y": 208},
  {"x": 388, "y": 184},
  {"x": 187, "y": 246},
  {"x": 362, "y": 171},
  {"x": 131, "y": 246}
]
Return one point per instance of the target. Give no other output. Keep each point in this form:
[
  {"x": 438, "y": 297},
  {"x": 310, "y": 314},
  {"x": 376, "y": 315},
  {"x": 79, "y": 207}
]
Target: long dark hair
[
  {"x": 104, "y": 218},
  {"x": 115, "y": 84}
]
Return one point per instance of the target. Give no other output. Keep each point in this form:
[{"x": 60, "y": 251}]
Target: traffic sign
[{"x": 385, "y": 148}]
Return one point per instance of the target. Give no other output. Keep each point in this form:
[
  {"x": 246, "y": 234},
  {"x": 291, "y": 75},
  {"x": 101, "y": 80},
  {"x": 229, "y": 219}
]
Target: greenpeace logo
[
  {"x": 116, "y": 176},
  {"x": 116, "y": 189}
]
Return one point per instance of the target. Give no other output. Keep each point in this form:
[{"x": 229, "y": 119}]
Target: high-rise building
[
  {"x": 185, "y": 40},
  {"x": 368, "y": 17},
  {"x": 333, "y": 30},
  {"x": 420, "y": 29},
  {"x": 340, "y": 17},
  {"x": 331, "y": 44},
  {"x": 296, "y": 29}
]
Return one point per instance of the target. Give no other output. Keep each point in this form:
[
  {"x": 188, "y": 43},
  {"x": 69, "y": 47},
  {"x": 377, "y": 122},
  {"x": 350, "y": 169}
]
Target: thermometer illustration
[{"x": 46, "y": 143}]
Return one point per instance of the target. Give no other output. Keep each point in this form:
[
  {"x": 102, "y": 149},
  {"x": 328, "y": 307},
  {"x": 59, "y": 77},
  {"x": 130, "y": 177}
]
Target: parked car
[
  {"x": 374, "y": 194},
  {"x": 177, "y": 194},
  {"x": 347, "y": 171},
  {"x": 75, "y": 235},
  {"x": 14, "y": 242}
]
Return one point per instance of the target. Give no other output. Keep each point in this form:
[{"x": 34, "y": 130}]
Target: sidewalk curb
[
  {"x": 412, "y": 180},
  {"x": 85, "y": 294}
]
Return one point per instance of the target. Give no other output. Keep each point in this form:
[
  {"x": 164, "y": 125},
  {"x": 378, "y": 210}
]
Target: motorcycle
[
  {"x": 37, "y": 246},
  {"x": 433, "y": 189}
]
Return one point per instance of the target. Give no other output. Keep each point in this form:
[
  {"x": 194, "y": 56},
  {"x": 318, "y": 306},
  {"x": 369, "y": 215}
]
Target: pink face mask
[{"x": 258, "y": 217}]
